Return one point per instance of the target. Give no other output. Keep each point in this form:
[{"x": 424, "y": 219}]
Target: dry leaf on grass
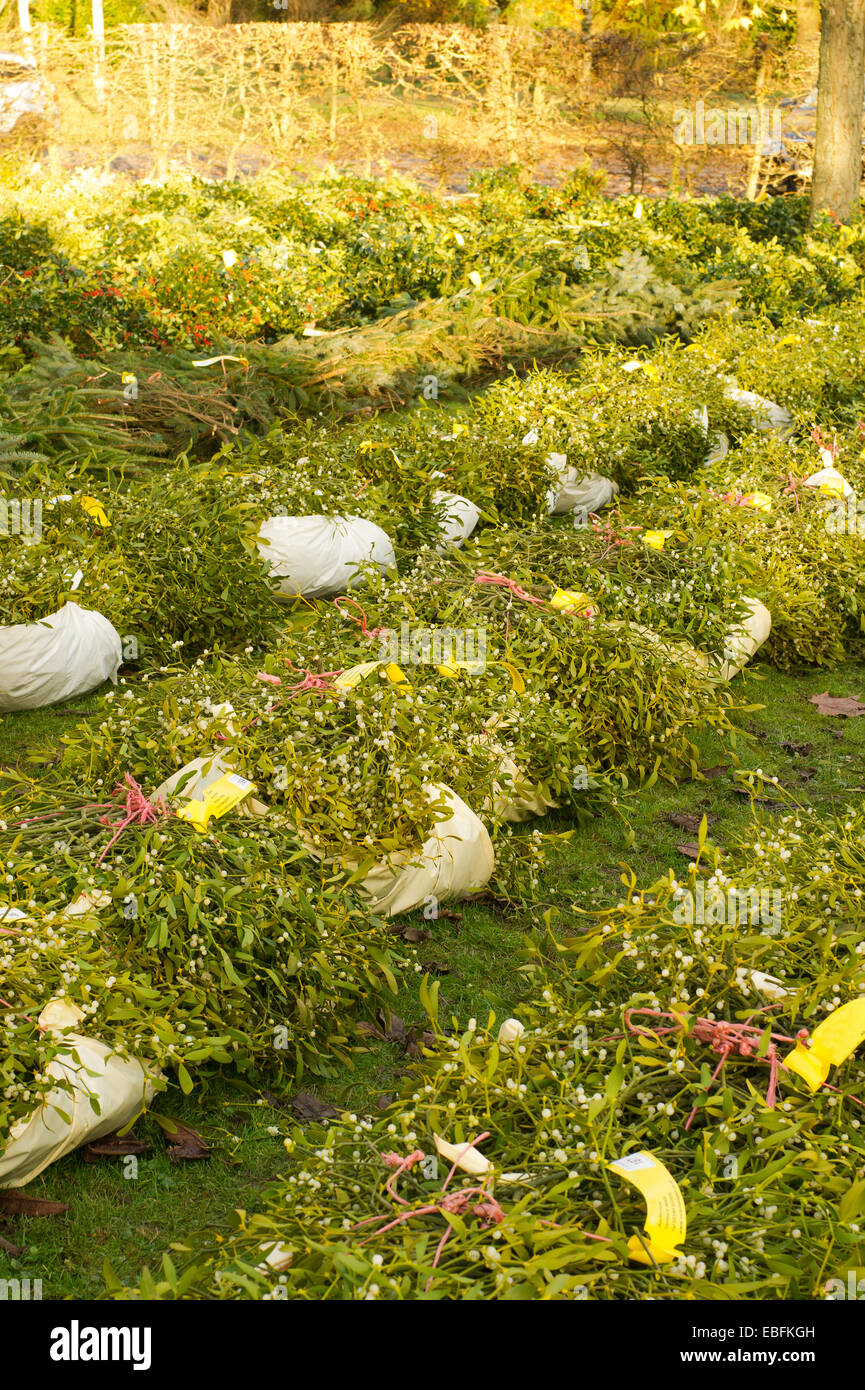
[
  {"x": 112, "y": 1146},
  {"x": 849, "y": 706},
  {"x": 308, "y": 1107},
  {"x": 184, "y": 1142},
  {"x": 15, "y": 1203},
  {"x": 685, "y": 821}
]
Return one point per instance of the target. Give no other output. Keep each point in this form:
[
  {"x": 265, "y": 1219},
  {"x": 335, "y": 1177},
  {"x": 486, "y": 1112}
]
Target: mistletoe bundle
[{"x": 489, "y": 1177}]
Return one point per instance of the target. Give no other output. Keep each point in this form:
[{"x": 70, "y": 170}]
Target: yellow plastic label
[
  {"x": 93, "y": 507},
  {"x": 833, "y": 489},
  {"x": 760, "y": 501},
  {"x": 450, "y": 669},
  {"x": 229, "y": 258},
  {"x": 220, "y": 798},
  {"x": 569, "y": 601},
  {"x": 655, "y": 540},
  {"x": 831, "y": 1043},
  {"x": 354, "y": 675},
  {"x": 517, "y": 681},
  {"x": 395, "y": 674},
  {"x": 666, "y": 1218}
]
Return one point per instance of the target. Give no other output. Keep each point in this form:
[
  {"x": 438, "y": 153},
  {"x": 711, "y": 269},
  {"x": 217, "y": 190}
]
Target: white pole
[
  {"x": 99, "y": 50},
  {"x": 26, "y": 26}
]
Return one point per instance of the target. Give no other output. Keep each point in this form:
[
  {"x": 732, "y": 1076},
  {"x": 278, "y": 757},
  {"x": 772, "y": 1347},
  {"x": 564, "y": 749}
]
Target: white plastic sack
[
  {"x": 719, "y": 447},
  {"x": 122, "y": 1086},
  {"x": 515, "y": 798},
  {"x": 743, "y": 639},
  {"x": 829, "y": 482},
  {"x": 319, "y": 555},
  {"x": 590, "y": 491},
  {"x": 456, "y": 861},
  {"x": 460, "y": 517},
  {"x": 64, "y": 655},
  {"x": 768, "y": 417},
  {"x": 718, "y": 442}
]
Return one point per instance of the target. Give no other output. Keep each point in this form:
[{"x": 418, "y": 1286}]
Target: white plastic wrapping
[
  {"x": 319, "y": 555},
  {"x": 66, "y": 654},
  {"x": 460, "y": 517},
  {"x": 122, "y": 1087},
  {"x": 589, "y": 491},
  {"x": 454, "y": 862}
]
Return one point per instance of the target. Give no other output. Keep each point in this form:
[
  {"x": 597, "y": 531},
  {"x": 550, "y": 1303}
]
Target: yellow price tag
[
  {"x": 354, "y": 675},
  {"x": 831, "y": 1043},
  {"x": 655, "y": 540},
  {"x": 219, "y": 798},
  {"x": 396, "y": 676},
  {"x": 93, "y": 507},
  {"x": 833, "y": 489},
  {"x": 760, "y": 501},
  {"x": 569, "y": 601},
  {"x": 666, "y": 1218}
]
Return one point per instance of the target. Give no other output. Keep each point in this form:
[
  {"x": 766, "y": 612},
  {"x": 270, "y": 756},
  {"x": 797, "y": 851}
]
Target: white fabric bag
[
  {"x": 318, "y": 555},
  {"x": 123, "y": 1086},
  {"x": 459, "y": 518},
  {"x": 768, "y": 417},
  {"x": 589, "y": 491},
  {"x": 514, "y": 798},
  {"x": 744, "y": 639},
  {"x": 455, "y": 861},
  {"x": 64, "y": 655},
  {"x": 830, "y": 483}
]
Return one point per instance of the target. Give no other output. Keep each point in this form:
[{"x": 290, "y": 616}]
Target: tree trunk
[
  {"x": 98, "y": 51},
  {"x": 838, "y": 145},
  {"x": 807, "y": 25}
]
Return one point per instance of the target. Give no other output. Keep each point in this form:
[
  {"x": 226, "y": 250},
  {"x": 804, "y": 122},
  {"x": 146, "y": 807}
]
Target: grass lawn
[{"x": 129, "y": 1219}]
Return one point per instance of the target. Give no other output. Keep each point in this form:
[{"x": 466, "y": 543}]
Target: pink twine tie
[
  {"x": 366, "y": 631},
  {"x": 139, "y": 811},
  {"x": 322, "y": 682},
  {"x": 728, "y": 1040},
  {"x": 512, "y": 586}
]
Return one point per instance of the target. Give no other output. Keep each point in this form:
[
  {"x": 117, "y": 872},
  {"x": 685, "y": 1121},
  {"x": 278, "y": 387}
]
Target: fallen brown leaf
[
  {"x": 15, "y": 1203},
  {"x": 113, "y": 1147},
  {"x": 687, "y": 822},
  {"x": 183, "y": 1142},
  {"x": 848, "y": 706},
  {"x": 416, "y": 934},
  {"x": 308, "y": 1107}
]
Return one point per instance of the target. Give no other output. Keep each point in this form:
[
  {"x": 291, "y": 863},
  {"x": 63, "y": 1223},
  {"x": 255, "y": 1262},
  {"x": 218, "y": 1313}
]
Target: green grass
[{"x": 130, "y": 1220}]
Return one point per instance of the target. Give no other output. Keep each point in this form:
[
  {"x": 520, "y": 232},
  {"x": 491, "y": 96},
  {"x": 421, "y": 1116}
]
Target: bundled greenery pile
[
  {"x": 563, "y": 662},
  {"x": 768, "y": 1189},
  {"x": 188, "y": 952},
  {"x": 52, "y": 552},
  {"x": 795, "y": 551}
]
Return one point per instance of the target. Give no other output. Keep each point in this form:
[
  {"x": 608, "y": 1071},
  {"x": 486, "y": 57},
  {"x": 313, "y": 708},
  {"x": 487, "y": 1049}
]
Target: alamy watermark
[
  {"x": 20, "y": 1290},
  {"x": 713, "y": 906},
  {"x": 846, "y": 516},
  {"x": 854, "y": 1289},
  {"x": 738, "y": 125},
  {"x": 442, "y": 646},
  {"x": 21, "y": 517}
]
